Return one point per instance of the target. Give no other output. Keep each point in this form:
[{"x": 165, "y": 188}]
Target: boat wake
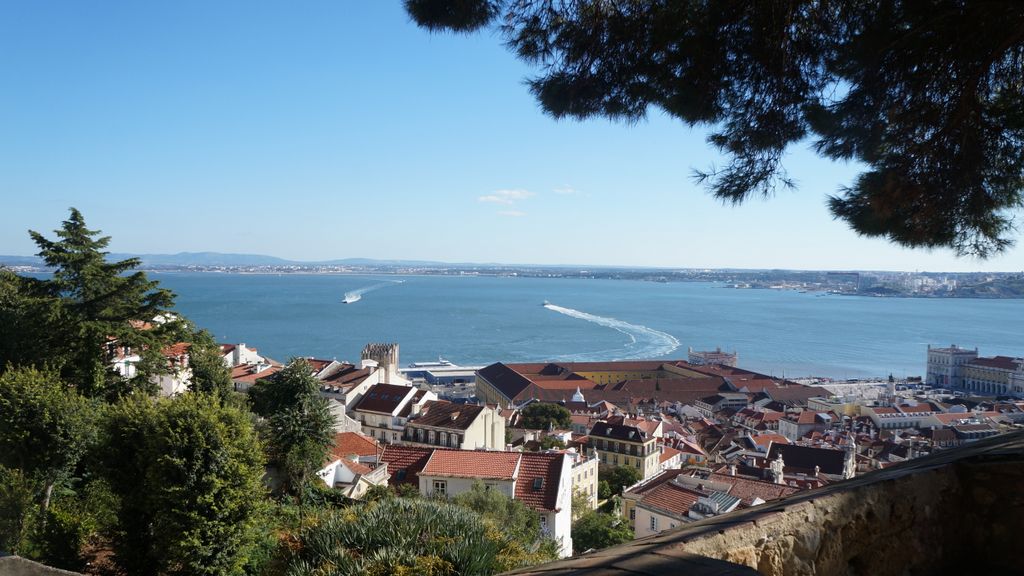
[
  {"x": 643, "y": 343},
  {"x": 357, "y": 295}
]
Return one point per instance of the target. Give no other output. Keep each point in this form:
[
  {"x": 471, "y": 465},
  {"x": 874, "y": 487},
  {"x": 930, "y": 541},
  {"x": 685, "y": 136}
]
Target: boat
[
  {"x": 546, "y": 303},
  {"x": 350, "y": 298}
]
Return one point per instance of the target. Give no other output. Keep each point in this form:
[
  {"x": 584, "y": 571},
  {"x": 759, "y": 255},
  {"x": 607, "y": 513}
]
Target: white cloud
[
  {"x": 512, "y": 213},
  {"x": 507, "y": 197},
  {"x": 566, "y": 190}
]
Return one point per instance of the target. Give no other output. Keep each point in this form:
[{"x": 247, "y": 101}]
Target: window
[
  {"x": 654, "y": 523},
  {"x": 632, "y": 514},
  {"x": 543, "y": 524},
  {"x": 440, "y": 487},
  {"x": 538, "y": 483}
]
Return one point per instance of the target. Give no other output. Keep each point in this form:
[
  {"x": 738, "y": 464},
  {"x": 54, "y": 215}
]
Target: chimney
[{"x": 732, "y": 469}]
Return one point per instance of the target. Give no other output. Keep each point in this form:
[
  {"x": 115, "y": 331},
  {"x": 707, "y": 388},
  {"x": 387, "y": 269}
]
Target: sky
[{"x": 319, "y": 130}]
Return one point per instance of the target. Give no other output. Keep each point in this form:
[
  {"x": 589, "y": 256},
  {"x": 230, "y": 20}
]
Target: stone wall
[{"x": 960, "y": 510}]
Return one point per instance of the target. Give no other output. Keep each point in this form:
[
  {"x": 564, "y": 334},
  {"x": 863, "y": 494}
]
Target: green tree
[
  {"x": 543, "y": 415},
  {"x": 31, "y": 320},
  {"x": 619, "y": 477},
  {"x": 98, "y": 300},
  {"x": 17, "y": 502},
  {"x": 188, "y": 471},
  {"x": 209, "y": 373},
  {"x": 549, "y": 442},
  {"x": 300, "y": 430},
  {"x": 925, "y": 94},
  {"x": 510, "y": 516},
  {"x": 580, "y": 504},
  {"x": 46, "y": 429},
  {"x": 595, "y": 530}
]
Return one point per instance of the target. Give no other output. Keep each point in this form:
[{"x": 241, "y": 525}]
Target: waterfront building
[
  {"x": 716, "y": 356},
  {"x": 961, "y": 369}
]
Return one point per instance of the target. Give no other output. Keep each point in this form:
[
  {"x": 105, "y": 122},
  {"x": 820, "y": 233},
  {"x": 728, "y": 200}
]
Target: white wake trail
[
  {"x": 356, "y": 295},
  {"x": 643, "y": 343}
]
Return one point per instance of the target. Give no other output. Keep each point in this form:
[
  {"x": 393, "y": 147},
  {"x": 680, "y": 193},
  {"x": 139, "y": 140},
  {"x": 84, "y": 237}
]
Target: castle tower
[{"x": 386, "y": 357}]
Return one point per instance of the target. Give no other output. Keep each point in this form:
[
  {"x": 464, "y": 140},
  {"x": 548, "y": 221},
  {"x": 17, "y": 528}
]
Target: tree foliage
[
  {"x": 619, "y": 477},
  {"x": 209, "y": 373},
  {"x": 926, "y": 95},
  {"x": 17, "y": 502},
  {"x": 188, "y": 471},
  {"x": 512, "y": 517},
  {"x": 66, "y": 321},
  {"x": 595, "y": 530},
  {"x": 301, "y": 425},
  {"x": 544, "y": 415},
  {"x": 46, "y": 428}
]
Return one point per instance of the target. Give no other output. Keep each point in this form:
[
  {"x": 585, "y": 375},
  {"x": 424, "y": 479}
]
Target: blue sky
[{"x": 319, "y": 130}]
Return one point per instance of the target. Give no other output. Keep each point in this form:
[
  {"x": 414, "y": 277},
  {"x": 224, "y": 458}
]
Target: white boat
[{"x": 350, "y": 298}]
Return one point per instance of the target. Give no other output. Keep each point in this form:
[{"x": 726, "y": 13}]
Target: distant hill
[{"x": 225, "y": 259}]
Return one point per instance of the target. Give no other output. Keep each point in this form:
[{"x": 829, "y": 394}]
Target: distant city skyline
[{"x": 344, "y": 131}]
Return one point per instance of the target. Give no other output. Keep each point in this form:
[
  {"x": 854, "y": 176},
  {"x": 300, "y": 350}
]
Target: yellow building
[{"x": 620, "y": 445}]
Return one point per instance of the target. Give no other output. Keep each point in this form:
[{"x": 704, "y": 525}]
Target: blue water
[{"x": 477, "y": 320}]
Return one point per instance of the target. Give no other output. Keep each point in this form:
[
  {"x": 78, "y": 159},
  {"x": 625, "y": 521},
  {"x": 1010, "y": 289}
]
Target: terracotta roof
[
  {"x": 442, "y": 414},
  {"x": 247, "y": 373},
  {"x": 547, "y": 468},
  {"x": 405, "y": 463},
  {"x": 667, "y": 453},
  {"x": 383, "y": 398},
  {"x": 348, "y": 443},
  {"x": 1001, "y": 362},
  {"x": 472, "y": 464},
  {"x": 766, "y": 439},
  {"x": 671, "y": 498},
  {"x": 347, "y": 376},
  {"x": 225, "y": 348},
  {"x": 747, "y": 489},
  {"x": 176, "y": 349}
]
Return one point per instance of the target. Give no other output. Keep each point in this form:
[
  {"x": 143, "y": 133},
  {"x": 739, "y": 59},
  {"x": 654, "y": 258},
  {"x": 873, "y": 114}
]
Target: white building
[
  {"x": 540, "y": 480},
  {"x": 945, "y": 366}
]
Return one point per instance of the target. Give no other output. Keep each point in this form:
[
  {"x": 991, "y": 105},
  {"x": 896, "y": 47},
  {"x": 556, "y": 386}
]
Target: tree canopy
[
  {"x": 544, "y": 415},
  {"x": 188, "y": 472},
  {"x": 70, "y": 318},
  {"x": 926, "y": 95}
]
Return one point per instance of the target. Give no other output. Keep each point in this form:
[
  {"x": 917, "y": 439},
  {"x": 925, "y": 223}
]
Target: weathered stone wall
[{"x": 957, "y": 511}]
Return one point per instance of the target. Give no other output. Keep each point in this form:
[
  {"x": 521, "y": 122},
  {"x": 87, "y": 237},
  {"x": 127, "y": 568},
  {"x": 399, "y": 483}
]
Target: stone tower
[{"x": 386, "y": 357}]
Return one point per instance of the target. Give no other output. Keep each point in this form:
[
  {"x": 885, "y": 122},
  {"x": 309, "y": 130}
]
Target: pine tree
[{"x": 98, "y": 301}]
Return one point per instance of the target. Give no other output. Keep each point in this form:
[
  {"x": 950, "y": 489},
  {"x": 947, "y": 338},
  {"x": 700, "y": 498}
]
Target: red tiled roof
[
  {"x": 442, "y": 414},
  {"x": 472, "y": 464},
  {"x": 225, "y": 348},
  {"x": 670, "y": 497},
  {"x": 1001, "y": 362},
  {"x": 383, "y": 398},
  {"x": 405, "y": 462},
  {"x": 747, "y": 489},
  {"x": 348, "y": 443},
  {"x": 546, "y": 467},
  {"x": 247, "y": 373},
  {"x": 176, "y": 349},
  {"x": 667, "y": 453}
]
